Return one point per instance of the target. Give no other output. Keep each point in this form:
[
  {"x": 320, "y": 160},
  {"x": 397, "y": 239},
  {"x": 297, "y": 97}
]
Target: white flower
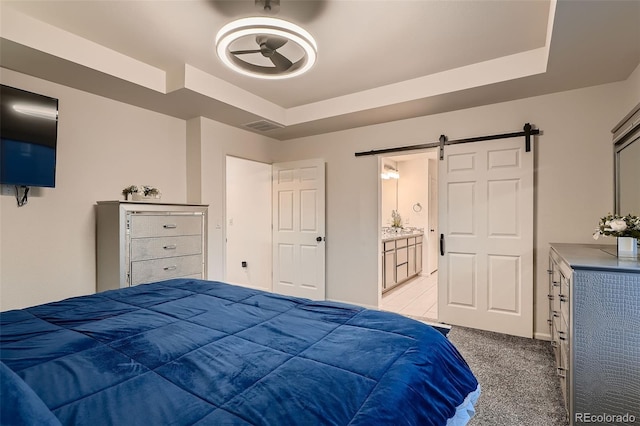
[{"x": 618, "y": 225}]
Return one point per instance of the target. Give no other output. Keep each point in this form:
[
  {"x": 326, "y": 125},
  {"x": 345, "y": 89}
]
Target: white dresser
[
  {"x": 140, "y": 243},
  {"x": 594, "y": 316}
]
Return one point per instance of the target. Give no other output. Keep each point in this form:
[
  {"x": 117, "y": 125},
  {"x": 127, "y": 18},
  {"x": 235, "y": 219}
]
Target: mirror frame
[{"x": 626, "y": 133}]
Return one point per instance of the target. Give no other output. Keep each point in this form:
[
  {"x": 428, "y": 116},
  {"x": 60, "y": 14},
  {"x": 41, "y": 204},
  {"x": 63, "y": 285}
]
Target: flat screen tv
[{"x": 28, "y": 138}]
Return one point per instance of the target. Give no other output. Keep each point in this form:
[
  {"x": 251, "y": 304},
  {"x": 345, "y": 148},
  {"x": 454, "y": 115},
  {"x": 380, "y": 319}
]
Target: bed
[{"x": 195, "y": 352}]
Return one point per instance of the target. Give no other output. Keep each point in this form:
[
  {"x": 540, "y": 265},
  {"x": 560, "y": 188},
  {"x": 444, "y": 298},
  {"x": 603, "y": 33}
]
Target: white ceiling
[{"x": 378, "y": 60}]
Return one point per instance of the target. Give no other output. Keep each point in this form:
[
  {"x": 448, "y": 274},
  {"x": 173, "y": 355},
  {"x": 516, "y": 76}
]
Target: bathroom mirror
[
  {"x": 389, "y": 199},
  {"x": 626, "y": 164},
  {"x": 627, "y": 174}
]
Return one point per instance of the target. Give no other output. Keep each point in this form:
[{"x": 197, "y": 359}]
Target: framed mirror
[{"x": 627, "y": 164}]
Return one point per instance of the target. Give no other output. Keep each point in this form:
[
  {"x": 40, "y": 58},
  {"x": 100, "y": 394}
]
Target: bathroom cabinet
[{"x": 401, "y": 258}]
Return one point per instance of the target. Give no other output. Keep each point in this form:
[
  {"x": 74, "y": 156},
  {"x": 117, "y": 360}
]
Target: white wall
[
  {"x": 248, "y": 223},
  {"x": 48, "y": 246},
  {"x": 413, "y": 188},
  {"x": 631, "y": 93},
  {"x": 574, "y": 177}
]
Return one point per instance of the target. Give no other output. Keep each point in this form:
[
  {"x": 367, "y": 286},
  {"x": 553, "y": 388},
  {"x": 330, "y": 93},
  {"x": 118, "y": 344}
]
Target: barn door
[
  {"x": 299, "y": 228},
  {"x": 485, "y": 273}
]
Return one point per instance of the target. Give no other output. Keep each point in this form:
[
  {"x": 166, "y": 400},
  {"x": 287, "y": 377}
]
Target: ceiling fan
[
  {"x": 283, "y": 48},
  {"x": 269, "y": 46}
]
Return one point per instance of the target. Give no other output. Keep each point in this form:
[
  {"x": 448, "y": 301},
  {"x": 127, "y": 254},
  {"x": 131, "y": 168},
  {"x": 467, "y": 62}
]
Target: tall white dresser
[
  {"x": 140, "y": 243},
  {"x": 594, "y": 316}
]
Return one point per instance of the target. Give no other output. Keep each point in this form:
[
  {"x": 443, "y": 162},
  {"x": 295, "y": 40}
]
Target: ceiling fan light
[{"x": 254, "y": 26}]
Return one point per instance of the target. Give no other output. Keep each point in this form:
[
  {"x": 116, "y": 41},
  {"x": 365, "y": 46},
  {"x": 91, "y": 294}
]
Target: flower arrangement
[
  {"x": 143, "y": 191},
  {"x": 129, "y": 190},
  {"x": 618, "y": 226},
  {"x": 149, "y": 191},
  {"x": 396, "y": 219}
]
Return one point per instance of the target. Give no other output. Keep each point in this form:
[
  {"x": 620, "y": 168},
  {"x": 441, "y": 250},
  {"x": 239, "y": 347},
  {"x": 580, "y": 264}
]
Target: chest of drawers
[
  {"x": 594, "y": 318},
  {"x": 140, "y": 243}
]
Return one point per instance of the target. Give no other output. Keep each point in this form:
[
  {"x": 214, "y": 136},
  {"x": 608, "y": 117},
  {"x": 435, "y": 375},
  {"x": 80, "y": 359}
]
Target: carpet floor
[{"x": 517, "y": 377}]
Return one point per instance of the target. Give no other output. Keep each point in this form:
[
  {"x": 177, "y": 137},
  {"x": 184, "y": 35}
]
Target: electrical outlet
[{"x": 7, "y": 190}]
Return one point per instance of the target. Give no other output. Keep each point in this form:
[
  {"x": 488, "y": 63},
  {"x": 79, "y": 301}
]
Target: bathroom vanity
[{"x": 401, "y": 257}]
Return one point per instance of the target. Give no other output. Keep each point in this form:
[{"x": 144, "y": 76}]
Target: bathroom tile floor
[{"x": 417, "y": 297}]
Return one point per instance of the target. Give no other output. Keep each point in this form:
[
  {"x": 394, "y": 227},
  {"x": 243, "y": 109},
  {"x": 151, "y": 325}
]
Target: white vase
[{"x": 627, "y": 247}]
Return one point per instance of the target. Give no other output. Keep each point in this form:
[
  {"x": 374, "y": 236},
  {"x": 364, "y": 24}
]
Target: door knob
[{"x": 318, "y": 239}]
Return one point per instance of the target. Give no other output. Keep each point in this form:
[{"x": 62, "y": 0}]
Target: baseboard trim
[{"x": 542, "y": 336}]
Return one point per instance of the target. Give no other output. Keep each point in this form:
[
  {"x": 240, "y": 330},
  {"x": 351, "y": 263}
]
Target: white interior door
[
  {"x": 485, "y": 277},
  {"x": 299, "y": 228},
  {"x": 432, "y": 236}
]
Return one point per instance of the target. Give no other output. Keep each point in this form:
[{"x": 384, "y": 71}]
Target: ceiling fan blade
[
  {"x": 271, "y": 42},
  {"x": 281, "y": 63},
  {"x": 245, "y": 52}
]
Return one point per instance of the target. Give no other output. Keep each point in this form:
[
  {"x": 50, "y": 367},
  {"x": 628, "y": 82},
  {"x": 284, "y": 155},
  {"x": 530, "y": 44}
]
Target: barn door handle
[{"x": 441, "y": 244}]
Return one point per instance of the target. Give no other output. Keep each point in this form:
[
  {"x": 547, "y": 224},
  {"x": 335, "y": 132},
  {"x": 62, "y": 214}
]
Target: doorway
[
  {"x": 275, "y": 226},
  {"x": 409, "y": 186},
  {"x": 248, "y": 223}
]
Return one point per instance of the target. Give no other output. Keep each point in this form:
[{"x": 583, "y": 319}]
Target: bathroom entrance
[{"x": 409, "y": 234}]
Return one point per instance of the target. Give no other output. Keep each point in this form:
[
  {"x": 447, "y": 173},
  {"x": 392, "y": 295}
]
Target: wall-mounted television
[{"x": 28, "y": 138}]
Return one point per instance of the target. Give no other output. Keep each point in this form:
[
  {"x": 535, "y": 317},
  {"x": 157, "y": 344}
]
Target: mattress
[{"x": 195, "y": 352}]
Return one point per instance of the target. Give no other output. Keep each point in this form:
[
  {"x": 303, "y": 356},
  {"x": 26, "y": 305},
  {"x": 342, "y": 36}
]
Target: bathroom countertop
[{"x": 390, "y": 236}]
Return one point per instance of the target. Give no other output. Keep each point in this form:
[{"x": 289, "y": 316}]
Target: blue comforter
[{"x": 189, "y": 352}]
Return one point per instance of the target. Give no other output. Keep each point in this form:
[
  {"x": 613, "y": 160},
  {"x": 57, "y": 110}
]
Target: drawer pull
[
  {"x": 170, "y": 247},
  {"x": 169, "y": 226},
  {"x": 563, "y": 298},
  {"x": 549, "y": 322},
  {"x": 170, "y": 268},
  {"x": 556, "y": 314},
  {"x": 561, "y": 335},
  {"x": 550, "y": 296},
  {"x": 556, "y": 283}
]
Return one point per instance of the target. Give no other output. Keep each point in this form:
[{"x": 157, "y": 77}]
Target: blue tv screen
[{"x": 28, "y": 138}]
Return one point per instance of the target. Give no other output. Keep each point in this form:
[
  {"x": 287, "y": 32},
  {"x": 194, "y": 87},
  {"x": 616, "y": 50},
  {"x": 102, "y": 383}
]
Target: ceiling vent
[{"x": 263, "y": 125}]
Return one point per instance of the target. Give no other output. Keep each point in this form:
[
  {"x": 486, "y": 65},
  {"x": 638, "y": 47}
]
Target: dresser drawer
[
  {"x": 563, "y": 371},
  {"x": 154, "y": 248},
  {"x": 143, "y": 225},
  {"x": 563, "y": 296},
  {"x": 146, "y": 271}
]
